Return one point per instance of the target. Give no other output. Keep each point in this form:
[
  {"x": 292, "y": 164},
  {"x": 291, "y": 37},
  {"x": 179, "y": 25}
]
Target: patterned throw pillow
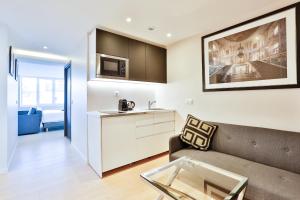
[{"x": 197, "y": 133}]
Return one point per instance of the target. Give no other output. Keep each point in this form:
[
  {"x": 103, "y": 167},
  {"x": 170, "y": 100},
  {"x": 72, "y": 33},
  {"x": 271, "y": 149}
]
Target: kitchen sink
[
  {"x": 113, "y": 112},
  {"x": 156, "y": 109}
]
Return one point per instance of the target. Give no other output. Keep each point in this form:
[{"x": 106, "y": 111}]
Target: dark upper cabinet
[
  {"x": 156, "y": 64},
  {"x": 137, "y": 60},
  {"x": 111, "y": 44},
  {"x": 146, "y": 62}
]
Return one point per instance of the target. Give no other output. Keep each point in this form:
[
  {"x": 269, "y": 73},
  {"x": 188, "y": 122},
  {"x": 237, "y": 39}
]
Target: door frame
[{"x": 68, "y": 66}]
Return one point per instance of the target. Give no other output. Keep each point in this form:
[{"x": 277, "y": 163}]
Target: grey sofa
[{"x": 269, "y": 158}]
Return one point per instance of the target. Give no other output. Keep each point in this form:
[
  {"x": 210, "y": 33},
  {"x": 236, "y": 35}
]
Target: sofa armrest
[
  {"x": 175, "y": 144},
  {"x": 29, "y": 123}
]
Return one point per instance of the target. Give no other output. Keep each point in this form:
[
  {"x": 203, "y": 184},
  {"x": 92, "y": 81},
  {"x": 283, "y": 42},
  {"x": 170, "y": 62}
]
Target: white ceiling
[{"x": 62, "y": 24}]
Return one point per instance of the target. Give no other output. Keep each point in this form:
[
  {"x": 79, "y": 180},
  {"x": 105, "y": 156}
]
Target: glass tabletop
[{"x": 187, "y": 179}]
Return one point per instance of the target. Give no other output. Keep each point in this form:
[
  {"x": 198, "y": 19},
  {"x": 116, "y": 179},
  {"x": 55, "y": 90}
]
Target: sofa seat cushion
[{"x": 265, "y": 183}]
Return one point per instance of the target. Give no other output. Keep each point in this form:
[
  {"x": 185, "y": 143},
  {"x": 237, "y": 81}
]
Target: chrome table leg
[
  {"x": 241, "y": 195},
  {"x": 170, "y": 181}
]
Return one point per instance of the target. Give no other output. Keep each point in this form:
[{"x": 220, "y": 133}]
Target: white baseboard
[
  {"x": 12, "y": 155},
  {"x": 3, "y": 170},
  {"x": 6, "y": 169},
  {"x": 84, "y": 158}
]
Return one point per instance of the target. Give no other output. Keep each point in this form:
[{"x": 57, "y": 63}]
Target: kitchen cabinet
[
  {"x": 118, "y": 145},
  {"x": 156, "y": 70},
  {"x": 137, "y": 59},
  {"x": 120, "y": 140},
  {"x": 152, "y": 133},
  {"x": 111, "y": 44},
  {"x": 147, "y": 62}
]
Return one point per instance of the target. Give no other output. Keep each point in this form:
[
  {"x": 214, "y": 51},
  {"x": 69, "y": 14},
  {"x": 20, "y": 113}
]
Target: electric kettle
[
  {"x": 130, "y": 105},
  {"x": 125, "y": 105}
]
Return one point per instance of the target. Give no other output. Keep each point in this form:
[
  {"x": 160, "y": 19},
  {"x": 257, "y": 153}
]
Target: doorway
[
  {"x": 41, "y": 96},
  {"x": 68, "y": 101},
  {"x": 41, "y": 106}
]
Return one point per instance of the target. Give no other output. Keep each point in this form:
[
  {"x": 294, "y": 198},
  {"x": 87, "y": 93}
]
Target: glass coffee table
[{"x": 187, "y": 179}]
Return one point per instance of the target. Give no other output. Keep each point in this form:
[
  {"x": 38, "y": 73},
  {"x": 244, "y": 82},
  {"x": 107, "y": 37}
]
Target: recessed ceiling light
[
  {"x": 169, "y": 35},
  {"x": 45, "y": 47},
  {"x": 128, "y": 19}
]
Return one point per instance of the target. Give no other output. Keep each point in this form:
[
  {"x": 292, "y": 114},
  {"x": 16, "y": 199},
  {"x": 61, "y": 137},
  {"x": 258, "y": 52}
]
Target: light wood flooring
[{"x": 46, "y": 166}]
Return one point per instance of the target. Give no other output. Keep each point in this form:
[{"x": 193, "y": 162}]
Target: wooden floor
[{"x": 47, "y": 167}]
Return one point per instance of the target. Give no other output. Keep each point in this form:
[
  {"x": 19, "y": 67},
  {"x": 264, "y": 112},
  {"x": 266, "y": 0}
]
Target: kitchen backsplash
[{"x": 104, "y": 95}]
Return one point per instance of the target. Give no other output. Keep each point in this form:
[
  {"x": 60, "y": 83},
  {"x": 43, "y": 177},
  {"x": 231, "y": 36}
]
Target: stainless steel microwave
[{"x": 112, "y": 67}]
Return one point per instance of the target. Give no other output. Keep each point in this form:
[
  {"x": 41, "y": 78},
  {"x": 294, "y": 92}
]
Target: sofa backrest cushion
[
  {"x": 32, "y": 111},
  {"x": 275, "y": 148},
  {"x": 22, "y": 112},
  {"x": 25, "y": 112}
]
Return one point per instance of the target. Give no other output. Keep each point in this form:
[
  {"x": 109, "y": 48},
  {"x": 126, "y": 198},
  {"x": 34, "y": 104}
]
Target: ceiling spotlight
[
  {"x": 169, "y": 35},
  {"x": 45, "y": 47},
  {"x": 128, "y": 19}
]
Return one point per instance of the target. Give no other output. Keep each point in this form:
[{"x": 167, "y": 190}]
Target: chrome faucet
[{"x": 150, "y": 103}]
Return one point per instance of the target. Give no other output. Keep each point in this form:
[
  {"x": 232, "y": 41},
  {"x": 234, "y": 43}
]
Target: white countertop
[{"x": 114, "y": 113}]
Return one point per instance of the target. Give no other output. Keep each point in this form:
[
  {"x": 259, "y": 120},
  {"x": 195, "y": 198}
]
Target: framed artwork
[
  {"x": 16, "y": 64},
  {"x": 260, "y": 53},
  {"x": 11, "y": 69}
]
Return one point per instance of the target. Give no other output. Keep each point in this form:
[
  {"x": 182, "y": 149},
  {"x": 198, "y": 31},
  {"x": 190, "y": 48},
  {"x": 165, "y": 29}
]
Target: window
[
  {"x": 41, "y": 91},
  {"x": 59, "y": 92},
  {"x": 29, "y": 91},
  {"x": 45, "y": 91}
]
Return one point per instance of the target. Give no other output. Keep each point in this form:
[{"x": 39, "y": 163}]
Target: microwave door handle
[{"x": 98, "y": 66}]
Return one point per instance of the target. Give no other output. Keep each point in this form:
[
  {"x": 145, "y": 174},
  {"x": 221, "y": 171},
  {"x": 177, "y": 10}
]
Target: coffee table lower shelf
[{"x": 188, "y": 179}]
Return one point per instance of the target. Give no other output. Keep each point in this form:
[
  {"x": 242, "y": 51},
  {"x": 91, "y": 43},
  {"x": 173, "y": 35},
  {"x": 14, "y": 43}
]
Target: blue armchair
[{"x": 29, "y": 124}]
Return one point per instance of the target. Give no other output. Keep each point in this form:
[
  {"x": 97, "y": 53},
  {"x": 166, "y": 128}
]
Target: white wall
[
  {"x": 43, "y": 70},
  {"x": 79, "y": 98},
  {"x": 101, "y": 94},
  {"x": 12, "y": 117},
  {"x": 8, "y": 104},
  {"x": 3, "y": 96},
  {"x": 278, "y": 109}
]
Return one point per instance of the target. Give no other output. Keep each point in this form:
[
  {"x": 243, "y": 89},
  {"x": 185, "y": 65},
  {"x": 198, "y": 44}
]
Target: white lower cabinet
[
  {"x": 121, "y": 140},
  {"x": 118, "y": 142},
  {"x": 152, "y": 145}
]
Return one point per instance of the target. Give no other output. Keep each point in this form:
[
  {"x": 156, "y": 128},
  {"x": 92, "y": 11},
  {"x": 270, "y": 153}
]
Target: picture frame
[
  {"x": 11, "y": 69},
  {"x": 16, "y": 66},
  {"x": 260, "y": 53}
]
